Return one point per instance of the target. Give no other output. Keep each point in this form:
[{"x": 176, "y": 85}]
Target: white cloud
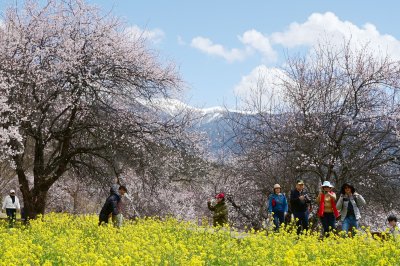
[
  {"x": 325, "y": 28},
  {"x": 318, "y": 29},
  {"x": 261, "y": 88},
  {"x": 329, "y": 28},
  {"x": 252, "y": 41},
  {"x": 207, "y": 46},
  {"x": 154, "y": 35},
  {"x": 260, "y": 43}
]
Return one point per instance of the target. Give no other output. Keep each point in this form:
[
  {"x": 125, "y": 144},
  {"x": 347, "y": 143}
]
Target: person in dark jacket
[
  {"x": 111, "y": 205},
  {"x": 277, "y": 206},
  {"x": 300, "y": 204},
  {"x": 220, "y": 210}
]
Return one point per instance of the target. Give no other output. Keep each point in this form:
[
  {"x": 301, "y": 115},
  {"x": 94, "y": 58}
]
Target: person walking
[
  {"x": 277, "y": 206},
  {"x": 220, "y": 216},
  {"x": 327, "y": 211},
  {"x": 393, "y": 228},
  {"x": 112, "y": 206},
  {"x": 300, "y": 204},
  {"x": 348, "y": 205},
  {"x": 119, "y": 218},
  {"x": 11, "y": 206}
]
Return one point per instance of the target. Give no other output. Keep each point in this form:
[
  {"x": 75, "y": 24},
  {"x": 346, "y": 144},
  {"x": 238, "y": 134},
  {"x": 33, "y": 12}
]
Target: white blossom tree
[
  {"x": 344, "y": 114},
  {"x": 339, "y": 121},
  {"x": 10, "y": 137},
  {"x": 76, "y": 82}
]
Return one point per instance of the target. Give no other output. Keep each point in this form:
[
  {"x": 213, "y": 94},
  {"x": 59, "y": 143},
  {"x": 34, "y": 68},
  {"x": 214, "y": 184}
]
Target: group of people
[
  {"x": 330, "y": 207},
  {"x": 111, "y": 208}
]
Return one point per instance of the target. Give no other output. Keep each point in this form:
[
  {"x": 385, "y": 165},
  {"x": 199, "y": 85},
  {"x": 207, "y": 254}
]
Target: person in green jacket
[{"x": 220, "y": 210}]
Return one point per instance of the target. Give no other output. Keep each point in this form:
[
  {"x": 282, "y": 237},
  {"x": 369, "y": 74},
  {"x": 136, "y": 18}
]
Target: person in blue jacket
[{"x": 277, "y": 206}]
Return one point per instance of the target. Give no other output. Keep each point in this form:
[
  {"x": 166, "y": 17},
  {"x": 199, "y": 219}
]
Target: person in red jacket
[{"x": 327, "y": 211}]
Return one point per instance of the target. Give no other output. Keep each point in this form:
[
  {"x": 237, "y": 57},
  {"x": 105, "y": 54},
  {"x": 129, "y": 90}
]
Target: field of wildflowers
[{"x": 62, "y": 239}]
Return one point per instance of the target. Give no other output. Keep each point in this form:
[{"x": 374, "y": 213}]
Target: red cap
[{"x": 220, "y": 196}]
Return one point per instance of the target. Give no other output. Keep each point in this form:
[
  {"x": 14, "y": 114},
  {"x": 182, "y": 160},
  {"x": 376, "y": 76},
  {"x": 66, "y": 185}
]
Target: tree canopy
[{"x": 74, "y": 83}]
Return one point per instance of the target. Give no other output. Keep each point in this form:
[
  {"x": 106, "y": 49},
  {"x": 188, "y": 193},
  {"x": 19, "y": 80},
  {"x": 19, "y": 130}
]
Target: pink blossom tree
[{"x": 76, "y": 81}]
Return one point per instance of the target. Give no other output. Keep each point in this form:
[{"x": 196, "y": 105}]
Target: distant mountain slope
[{"x": 211, "y": 121}]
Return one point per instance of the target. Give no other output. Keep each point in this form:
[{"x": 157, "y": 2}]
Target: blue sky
[{"x": 220, "y": 46}]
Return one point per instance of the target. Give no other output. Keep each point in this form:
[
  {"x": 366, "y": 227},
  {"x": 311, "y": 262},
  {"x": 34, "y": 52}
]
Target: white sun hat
[
  {"x": 277, "y": 186},
  {"x": 327, "y": 184}
]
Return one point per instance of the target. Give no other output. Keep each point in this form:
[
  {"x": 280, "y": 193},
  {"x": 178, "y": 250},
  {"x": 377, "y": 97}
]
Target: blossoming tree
[
  {"x": 76, "y": 81},
  {"x": 338, "y": 120}
]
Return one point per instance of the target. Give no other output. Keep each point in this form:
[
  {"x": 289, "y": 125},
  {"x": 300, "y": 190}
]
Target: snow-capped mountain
[
  {"x": 212, "y": 121},
  {"x": 175, "y": 107}
]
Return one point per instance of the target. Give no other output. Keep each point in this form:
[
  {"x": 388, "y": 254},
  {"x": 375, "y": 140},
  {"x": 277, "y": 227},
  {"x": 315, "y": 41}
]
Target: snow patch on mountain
[{"x": 174, "y": 107}]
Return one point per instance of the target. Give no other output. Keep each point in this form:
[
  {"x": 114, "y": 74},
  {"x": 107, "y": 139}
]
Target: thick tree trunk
[
  {"x": 34, "y": 198},
  {"x": 35, "y": 203}
]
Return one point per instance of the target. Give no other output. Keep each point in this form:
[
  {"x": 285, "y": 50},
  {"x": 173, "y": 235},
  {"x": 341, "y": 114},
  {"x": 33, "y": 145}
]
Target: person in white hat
[
  {"x": 277, "y": 206},
  {"x": 327, "y": 211},
  {"x": 11, "y": 205}
]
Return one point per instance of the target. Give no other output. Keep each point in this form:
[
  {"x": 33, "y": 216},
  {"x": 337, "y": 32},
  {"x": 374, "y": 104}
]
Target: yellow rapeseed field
[{"x": 62, "y": 239}]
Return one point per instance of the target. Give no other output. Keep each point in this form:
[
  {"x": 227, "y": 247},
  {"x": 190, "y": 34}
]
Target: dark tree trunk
[
  {"x": 34, "y": 198},
  {"x": 35, "y": 204}
]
